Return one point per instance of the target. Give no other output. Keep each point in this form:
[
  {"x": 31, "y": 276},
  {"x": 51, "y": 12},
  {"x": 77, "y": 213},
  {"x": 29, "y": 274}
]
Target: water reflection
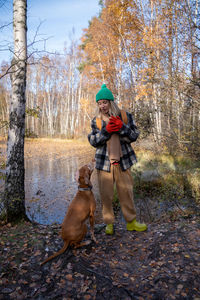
[{"x": 50, "y": 185}]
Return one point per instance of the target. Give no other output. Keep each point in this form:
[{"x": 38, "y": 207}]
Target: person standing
[{"x": 113, "y": 131}]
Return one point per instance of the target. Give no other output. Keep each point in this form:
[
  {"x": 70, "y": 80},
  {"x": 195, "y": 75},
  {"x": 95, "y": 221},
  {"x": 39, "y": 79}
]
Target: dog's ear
[
  {"x": 91, "y": 165},
  {"x": 86, "y": 178}
]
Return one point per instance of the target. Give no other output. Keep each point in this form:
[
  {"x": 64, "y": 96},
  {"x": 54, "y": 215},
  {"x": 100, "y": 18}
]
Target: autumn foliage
[{"x": 147, "y": 52}]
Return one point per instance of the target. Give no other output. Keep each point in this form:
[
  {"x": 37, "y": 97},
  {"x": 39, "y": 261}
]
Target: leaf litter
[{"x": 162, "y": 263}]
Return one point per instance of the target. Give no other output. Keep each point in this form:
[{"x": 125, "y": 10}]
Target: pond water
[{"x": 50, "y": 185}]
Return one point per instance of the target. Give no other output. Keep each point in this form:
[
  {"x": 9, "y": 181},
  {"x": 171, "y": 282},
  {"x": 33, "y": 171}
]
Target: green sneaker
[
  {"x": 109, "y": 229},
  {"x": 134, "y": 225}
]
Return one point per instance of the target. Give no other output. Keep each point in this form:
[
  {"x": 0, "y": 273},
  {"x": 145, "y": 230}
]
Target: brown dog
[{"x": 80, "y": 209}]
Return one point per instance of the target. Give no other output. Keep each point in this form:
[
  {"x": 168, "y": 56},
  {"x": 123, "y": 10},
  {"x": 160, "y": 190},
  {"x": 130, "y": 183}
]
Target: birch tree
[{"x": 14, "y": 196}]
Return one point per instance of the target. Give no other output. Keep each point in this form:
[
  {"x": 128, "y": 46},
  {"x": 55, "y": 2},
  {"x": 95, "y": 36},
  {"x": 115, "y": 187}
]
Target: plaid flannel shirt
[{"x": 127, "y": 134}]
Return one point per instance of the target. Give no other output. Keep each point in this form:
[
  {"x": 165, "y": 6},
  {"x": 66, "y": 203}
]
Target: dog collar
[{"x": 85, "y": 189}]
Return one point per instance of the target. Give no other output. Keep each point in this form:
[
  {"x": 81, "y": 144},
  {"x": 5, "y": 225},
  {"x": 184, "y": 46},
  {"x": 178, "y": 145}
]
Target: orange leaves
[
  {"x": 118, "y": 41},
  {"x": 153, "y": 37},
  {"x": 85, "y": 104}
]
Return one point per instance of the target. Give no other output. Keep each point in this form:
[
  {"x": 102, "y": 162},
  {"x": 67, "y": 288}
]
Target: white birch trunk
[
  {"x": 14, "y": 197},
  {"x": 78, "y": 105},
  {"x": 72, "y": 108}
]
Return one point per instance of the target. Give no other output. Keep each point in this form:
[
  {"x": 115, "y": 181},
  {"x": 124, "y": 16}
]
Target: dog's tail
[{"x": 64, "y": 248}]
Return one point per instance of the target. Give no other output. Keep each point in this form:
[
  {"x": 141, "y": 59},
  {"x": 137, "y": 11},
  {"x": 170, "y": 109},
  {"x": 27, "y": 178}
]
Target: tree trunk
[{"x": 14, "y": 197}]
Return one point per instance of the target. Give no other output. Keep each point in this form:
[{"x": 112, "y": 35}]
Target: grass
[
  {"x": 166, "y": 176},
  {"x": 57, "y": 140}
]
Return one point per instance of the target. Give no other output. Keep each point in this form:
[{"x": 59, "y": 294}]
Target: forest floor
[{"x": 161, "y": 263}]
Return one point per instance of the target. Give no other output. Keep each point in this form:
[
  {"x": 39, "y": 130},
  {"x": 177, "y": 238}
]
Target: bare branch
[{"x": 6, "y": 25}]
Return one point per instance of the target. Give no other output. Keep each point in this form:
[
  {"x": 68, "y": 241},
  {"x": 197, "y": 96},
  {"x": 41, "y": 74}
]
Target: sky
[{"x": 52, "y": 20}]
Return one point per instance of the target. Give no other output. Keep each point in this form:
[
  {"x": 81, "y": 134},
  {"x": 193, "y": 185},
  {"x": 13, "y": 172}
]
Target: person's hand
[
  {"x": 116, "y": 121},
  {"x": 111, "y": 127}
]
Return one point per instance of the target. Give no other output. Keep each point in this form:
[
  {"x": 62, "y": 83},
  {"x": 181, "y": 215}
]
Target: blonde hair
[{"x": 114, "y": 110}]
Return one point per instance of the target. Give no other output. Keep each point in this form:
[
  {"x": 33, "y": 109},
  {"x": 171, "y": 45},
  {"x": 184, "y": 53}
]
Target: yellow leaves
[
  {"x": 84, "y": 103},
  {"x": 115, "y": 9},
  {"x": 153, "y": 37},
  {"x": 144, "y": 91}
]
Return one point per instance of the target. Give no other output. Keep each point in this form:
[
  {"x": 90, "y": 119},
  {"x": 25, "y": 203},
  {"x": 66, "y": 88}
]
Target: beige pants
[{"x": 124, "y": 186}]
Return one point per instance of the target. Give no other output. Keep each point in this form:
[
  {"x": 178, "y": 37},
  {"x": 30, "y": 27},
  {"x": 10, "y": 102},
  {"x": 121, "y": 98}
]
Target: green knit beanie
[{"x": 104, "y": 94}]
